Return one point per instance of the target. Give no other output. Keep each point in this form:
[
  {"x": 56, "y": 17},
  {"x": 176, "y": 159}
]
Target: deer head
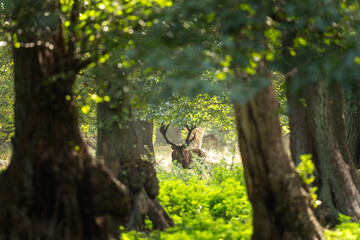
[{"x": 180, "y": 153}]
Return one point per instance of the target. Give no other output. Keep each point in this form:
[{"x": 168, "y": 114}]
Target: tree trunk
[
  {"x": 300, "y": 134},
  {"x": 122, "y": 152},
  {"x": 143, "y": 131},
  {"x": 338, "y": 182},
  {"x": 51, "y": 189},
  {"x": 281, "y": 205},
  {"x": 337, "y": 113},
  {"x": 352, "y": 117}
]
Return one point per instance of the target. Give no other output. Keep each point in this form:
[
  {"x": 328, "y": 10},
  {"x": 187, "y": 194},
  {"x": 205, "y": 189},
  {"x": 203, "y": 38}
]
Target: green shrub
[
  {"x": 306, "y": 170},
  {"x": 345, "y": 230},
  {"x": 204, "y": 202}
]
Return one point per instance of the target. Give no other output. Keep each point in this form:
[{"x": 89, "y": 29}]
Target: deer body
[
  {"x": 180, "y": 153},
  {"x": 185, "y": 157}
]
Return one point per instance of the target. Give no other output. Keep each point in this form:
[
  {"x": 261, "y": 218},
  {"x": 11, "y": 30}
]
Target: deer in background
[
  {"x": 210, "y": 141},
  {"x": 180, "y": 154}
]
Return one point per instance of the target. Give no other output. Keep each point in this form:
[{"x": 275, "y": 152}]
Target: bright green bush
[
  {"x": 306, "y": 169},
  {"x": 205, "y": 203},
  {"x": 345, "y": 230}
]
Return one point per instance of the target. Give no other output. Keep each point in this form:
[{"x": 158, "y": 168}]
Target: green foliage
[
  {"x": 201, "y": 227},
  {"x": 306, "y": 170},
  {"x": 184, "y": 199},
  {"x": 85, "y": 98},
  {"x": 201, "y": 40},
  {"x": 280, "y": 88},
  {"x": 211, "y": 205},
  {"x": 326, "y": 38},
  {"x": 6, "y": 95},
  {"x": 345, "y": 230},
  {"x": 202, "y": 110}
]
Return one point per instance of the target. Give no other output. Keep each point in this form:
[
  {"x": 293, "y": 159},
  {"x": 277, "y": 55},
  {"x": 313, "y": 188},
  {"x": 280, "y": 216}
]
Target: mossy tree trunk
[
  {"x": 121, "y": 147},
  {"x": 281, "y": 205},
  {"x": 52, "y": 189}
]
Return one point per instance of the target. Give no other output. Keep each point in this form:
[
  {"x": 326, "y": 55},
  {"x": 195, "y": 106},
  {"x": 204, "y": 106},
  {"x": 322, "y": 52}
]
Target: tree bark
[
  {"x": 337, "y": 113},
  {"x": 281, "y": 205},
  {"x": 352, "y": 117},
  {"x": 52, "y": 189},
  {"x": 300, "y": 134},
  {"x": 123, "y": 153},
  {"x": 338, "y": 181},
  {"x": 143, "y": 131},
  {"x": 336, "y": 178}
]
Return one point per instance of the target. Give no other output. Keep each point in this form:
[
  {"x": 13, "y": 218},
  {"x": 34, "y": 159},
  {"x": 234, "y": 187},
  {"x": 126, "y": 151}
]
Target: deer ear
[{"x": 173, "y": 147}]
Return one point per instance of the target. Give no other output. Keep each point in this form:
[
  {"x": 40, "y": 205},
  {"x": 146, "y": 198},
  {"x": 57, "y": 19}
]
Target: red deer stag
[{"x": 180, "y": 154}]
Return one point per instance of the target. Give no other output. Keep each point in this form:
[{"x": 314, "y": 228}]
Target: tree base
[
  {"x": 140, "y": 177},
  {"x": 92, "y": 208}
]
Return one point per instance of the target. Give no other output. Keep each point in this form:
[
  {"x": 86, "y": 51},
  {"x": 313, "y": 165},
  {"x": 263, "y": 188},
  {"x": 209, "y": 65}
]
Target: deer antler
[
  {"x": 190, "y": 129},
  {"x": 163, "y": 130}
]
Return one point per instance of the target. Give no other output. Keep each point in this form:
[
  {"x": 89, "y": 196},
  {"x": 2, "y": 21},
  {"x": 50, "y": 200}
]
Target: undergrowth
[
  {"x": 209, "y": 202},
  {"x": 346, "y": 230}
]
